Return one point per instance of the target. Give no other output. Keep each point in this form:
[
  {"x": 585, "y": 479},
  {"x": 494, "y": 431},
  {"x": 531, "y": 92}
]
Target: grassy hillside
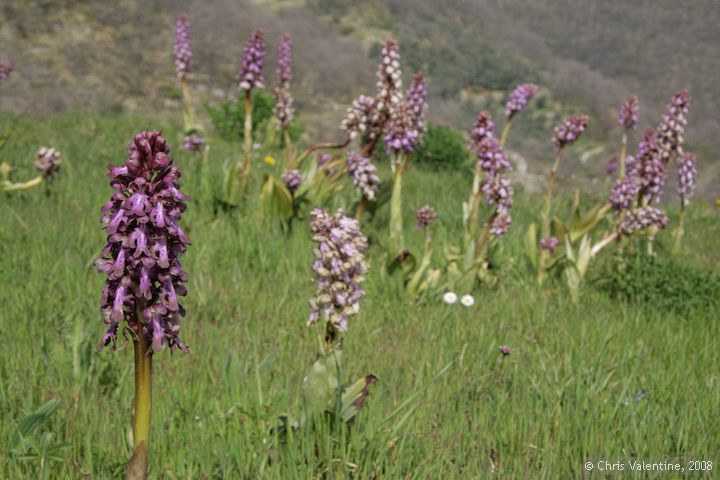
[{"x": 598, "y": 380}]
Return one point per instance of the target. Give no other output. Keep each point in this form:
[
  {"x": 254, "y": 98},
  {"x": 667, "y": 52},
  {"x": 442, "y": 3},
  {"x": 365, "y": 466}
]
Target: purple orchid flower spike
[{"x": 145, "y": 241}]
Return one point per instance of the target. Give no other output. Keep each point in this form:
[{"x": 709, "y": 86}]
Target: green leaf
[
  {"x": 354, "y": 397},
  {"x": 589, "y": 221},
  {"x": 559, "y": 229},
  {"x": 321, "y": 383},
  {"x": 30, "y": 425},
  {"x": 531, "y": 244},
  {"x": 275, "y": 200},
  {"x": 413, "y": 286}
]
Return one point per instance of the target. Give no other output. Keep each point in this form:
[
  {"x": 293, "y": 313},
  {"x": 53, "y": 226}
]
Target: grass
[{"x": 446, "y": 402}]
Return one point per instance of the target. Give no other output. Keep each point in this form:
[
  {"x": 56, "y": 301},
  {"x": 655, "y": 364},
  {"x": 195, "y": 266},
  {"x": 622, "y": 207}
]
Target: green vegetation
[
  {"x": 665, "y": 283},
  {"x": 447, "y": 403},
  {"x": 442, "y": 148},
  {"x": 228, "y": 117}
]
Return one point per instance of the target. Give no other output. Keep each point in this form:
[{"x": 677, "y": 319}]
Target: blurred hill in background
[{"x": 588, "y": 56}]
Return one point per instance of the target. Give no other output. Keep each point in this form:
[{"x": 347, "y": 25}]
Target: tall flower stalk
[
  {"x": 517, "y": 101},
  {"x": 425, "y": 215},
  {"x": 364, "y": 178},
  {"x": 339, "y": 268},
  {"x": 249, "y": 77},
  {"x": 628, "y": 117},
  {"x": 491, "y": 185},
  {"x": 182, "y": 51},
  {"x": 144, "y": 274},
  {"x": 404, "y": 131},
  {"x": 283, "y": 109},
  {"x": 669, "y": 140},
  {"x": 686, "y": 183},
  {"x": 565, "y": 135}
]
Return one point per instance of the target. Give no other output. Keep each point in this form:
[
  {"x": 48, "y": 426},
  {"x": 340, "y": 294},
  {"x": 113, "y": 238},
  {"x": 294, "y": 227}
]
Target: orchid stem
[
  {"x": 505, "y": 132},
  {"x": 623, "y": 155},
  {"x": 247, "y": 136},
  {"x": 137, "y": 468},
  {"x": 397, "y": 241},
  {"x": 188, "y": 113}
]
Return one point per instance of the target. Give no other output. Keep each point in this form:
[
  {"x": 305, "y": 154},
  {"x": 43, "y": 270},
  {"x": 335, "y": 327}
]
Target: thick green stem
[
  {"x": 481, "y": 247},
  {"x": 8, "y": 186},
  {"x": 397, "y": 241},
  {"x": 547, "y": 208},
  {"x": 623, "y": 155},
  {"x": 474, "y": 205},
  {"x": 505, "y": 132},
  {"x": 679, "y": 232},
  {"x": 247, "y": 138},
  {"x": 288, "y": 146},
  {"x": 361, "y": 209},
  {"x": 188, "y": 113},
  {"x": 137, "y": 468}
]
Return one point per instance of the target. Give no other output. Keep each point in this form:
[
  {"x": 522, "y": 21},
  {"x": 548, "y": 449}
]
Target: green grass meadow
[{"x": 447, "y": 404}]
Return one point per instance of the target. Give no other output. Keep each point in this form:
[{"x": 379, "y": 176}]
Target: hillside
[{"x": 99, "y": 56}]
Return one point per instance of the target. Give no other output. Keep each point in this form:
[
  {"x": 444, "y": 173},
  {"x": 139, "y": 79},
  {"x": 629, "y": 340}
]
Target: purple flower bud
[
  {"x": 322, "y": 159},
  {"x": 549, "y": 244},
  {"x": 519, "y": 98},
  {"x": 47, "y": 161},
  {"x": 498, "y": 192},
  {"x": 490, "y": 157},
  {"x": 687, "y": 177},
  {"x": 406, "y": 124},
  {"x": 483, "y": 128},
  {"x": 401, "y": 133},
  {"x": 640, "y": 219},
  {"x": 649, "y": 167},
  {"x": 417, "y": 103},
  {"x": 292, "y": 179},
  {"x": 284, "y": 110},
  {"x": 624, "y": 192},
  {"x": 193, "y": 143},
  {"x": 612, "y": 166},
  {"x": 425, "y": 216},
  {"x": 143, "y": 283},
  {"x": 629, "y": 113},
  {"x": 363, "y": 175},
  {"x": 250, "y": 74},
  {"x": 389, "y": 85},
  {"x": 182, "y": 50},
  {"x": 570, "y": 130},
  {"x": 362, "y": 117},
  {"x": 505, "y": 350},
  {"x": 501, "y": 225},
  {"x": 672, "y": 126},
  {"x": 6, "y": 68},
  {"x": 339, "y": 267}
]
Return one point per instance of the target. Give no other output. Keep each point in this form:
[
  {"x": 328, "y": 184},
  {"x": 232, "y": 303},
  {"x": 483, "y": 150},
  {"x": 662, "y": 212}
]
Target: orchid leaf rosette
[
  {"x": 339, "y": 268},
  {"x": 144, "y": 276}
]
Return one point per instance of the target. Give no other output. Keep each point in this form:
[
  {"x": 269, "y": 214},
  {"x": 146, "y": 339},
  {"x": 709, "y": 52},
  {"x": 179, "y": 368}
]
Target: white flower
[
  {"x": 467, "y": 300},
  {"x": 449, "y": 298}
]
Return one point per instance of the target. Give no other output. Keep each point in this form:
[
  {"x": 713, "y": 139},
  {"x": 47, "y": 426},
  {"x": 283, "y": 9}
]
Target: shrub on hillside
[
  {"x": 442, "y": 148},
  {"x": 666, "y": 284},
  {"x": 228, "y": 117}
]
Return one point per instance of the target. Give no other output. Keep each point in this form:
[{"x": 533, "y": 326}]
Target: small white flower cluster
[{"x": 451, "y": 298}]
